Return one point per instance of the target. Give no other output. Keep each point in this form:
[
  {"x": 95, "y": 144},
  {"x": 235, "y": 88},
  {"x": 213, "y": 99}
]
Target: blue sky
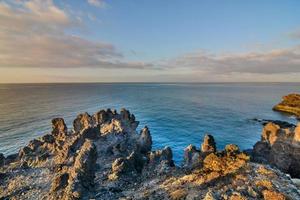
[{"x": 214, "y": 40}]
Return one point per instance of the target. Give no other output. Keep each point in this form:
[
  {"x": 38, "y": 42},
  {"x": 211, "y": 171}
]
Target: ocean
[{"x": 177, "y": 114}]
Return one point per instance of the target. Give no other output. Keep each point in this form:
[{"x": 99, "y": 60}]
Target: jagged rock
[
  {"x": 145, "y": 140},
  {"x": 48, "y": 138},
  {"x": 34, "y": 144},
  {"x": 232, "y": 149},
  {"x": 191, "y": 157},
  {"x": 82, "y": 173},
  {"x": 125, "y": 114},
  {"x": 297, "y": 133},
  {"x": 82, "y": 121},
  {"x": 279, "y": 147},
  {"x": 101, "y": 117},
  {"x": 25, "y": 151},
  {"x": 59, "y": 182},
  {"x": 59, "y": 128},
  {"x": 129, "y": 165},
  {"x": 226, "y": 162},
  {"x": 108, "y": 159},
  {"x": 209, "y": 144},
  {"x": 289, "y": 104},
  {"x": 2, "y": 159}
]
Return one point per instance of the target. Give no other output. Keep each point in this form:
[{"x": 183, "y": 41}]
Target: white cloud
[{"x": 34, "y": 34}]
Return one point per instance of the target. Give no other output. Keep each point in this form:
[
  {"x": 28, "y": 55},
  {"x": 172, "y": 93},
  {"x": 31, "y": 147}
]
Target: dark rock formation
[
  {"x": 289, "y": 104},
  {"x": 59, "y": 128},
  {"x": 282, "y": 124},
  {"x": 280, "y": 147},
  {"x": 104, "y": 157},
  {"x": 82, "y": 121},
  {"x": 2, "y": 159},
  {"x": 145, "y": 140}
]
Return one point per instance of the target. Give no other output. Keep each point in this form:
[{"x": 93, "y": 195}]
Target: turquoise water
[{"x": 177, "y": 114}]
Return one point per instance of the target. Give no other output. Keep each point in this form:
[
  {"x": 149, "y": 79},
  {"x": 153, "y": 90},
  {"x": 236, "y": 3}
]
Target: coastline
[{"x": 104, "y": 157}]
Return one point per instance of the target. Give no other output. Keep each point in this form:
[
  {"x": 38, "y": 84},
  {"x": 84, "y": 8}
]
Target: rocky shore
[
  {"x": 290, "y": 104},
  {"x": 103, "y": 156}
]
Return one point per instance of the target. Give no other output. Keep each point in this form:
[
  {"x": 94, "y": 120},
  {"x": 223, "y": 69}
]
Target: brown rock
[
  {"x": 279, "y": 147},
  {"x": 289, "y": 104},
  {"x": 82, "y": 121},
  {"x": 297, "y": 133},
  {"x": 208, "y": 144},
  {"x": 59, "y": 182},
  {"x": 273, "y": 195},
  {"x": 59, "y": 128}
]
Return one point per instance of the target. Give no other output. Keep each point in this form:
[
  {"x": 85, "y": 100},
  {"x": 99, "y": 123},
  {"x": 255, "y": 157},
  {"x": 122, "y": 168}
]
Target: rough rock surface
[
  {"x": 289, "y": 104},
  {"x": 104, "y": 157},
  {"x": 280, "y": 147}
]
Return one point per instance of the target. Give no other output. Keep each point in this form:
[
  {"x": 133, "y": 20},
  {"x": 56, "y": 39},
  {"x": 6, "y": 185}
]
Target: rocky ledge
[
  {"x": 289, "y": 104},
  {"x": 104, "y": 157}
]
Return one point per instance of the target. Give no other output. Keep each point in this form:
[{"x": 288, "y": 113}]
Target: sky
[{"x": 149, "y": 41}]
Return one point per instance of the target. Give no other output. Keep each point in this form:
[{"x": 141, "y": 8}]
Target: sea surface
[{"x": 177, "y": 114}]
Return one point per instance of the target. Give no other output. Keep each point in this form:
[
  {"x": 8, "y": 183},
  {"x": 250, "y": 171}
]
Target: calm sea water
[{"x": 177, "y": 114}]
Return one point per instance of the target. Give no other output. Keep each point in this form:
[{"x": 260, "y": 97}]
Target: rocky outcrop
[
  {"x": 289, "y": 104},
  {"x": 280, "y": 147},
  {"x": 145, "y": 140},
  {"x": 104, "y": 157},
  {"x": 208, "y": 145}
]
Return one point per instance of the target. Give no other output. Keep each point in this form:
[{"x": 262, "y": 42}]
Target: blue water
[{"x": 177, "y": 114}]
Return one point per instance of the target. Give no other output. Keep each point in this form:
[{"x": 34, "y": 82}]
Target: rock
[
  {"x": 34, "y": 144},
  {"x": 59, "y": 182},
  {"x": 108, "y": 159},
  {"x": 191, "y": 157},
  {"x": 279, "y": 147},
  {"x": 81, "y": 175},
  {"x": 48, "y": 138},
  {"x": 145, "y": 140},
  {"x": 297, "y": 133},
  {"x": 226, "y": 162},
  {"x": 232, "y": 149},
  {"x": 2, "y": 159},
  {"x": 82, "y": 121},
  {"x": 208, "y": 144},
  {"x": 280, "y": 123},
  {"x": 25, "y": 151},
  {"x": 120, "y": 167},
  {"x": 11, "y": 158},
  {"x": 161, "y": 155},
  {"x": 289, "y": 104},
  {"x": 272, "y": 195},
  {"x": 101, "y": 117},
  {"x": 125, "y": 114},
  {"x": 59, "y": 128}
]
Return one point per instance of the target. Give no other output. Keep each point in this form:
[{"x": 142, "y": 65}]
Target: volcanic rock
[
  {"x": 289, "y": 104},
  {"x": 279, "y": 146},
  {"x": 145, "y": 140},
  {"x": 209, "y": 144}
]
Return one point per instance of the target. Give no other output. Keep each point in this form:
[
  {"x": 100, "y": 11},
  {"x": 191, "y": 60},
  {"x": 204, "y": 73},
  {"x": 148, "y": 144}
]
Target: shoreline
[{"x": 107, "y": 148}]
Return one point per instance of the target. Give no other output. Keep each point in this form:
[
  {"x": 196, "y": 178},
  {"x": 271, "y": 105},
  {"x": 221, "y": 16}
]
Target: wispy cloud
[
  {"x": 271, "y": 62},
  {"x": 35, "y": 34},
  {"x": 97, "y": 3}
]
